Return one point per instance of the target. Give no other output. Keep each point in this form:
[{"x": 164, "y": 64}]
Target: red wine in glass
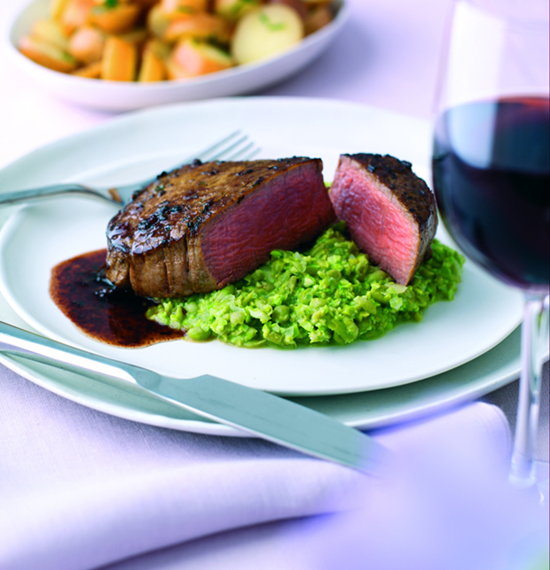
[
  {"x": 491, "y": 166},
  {"x": 490, "y": 172}
]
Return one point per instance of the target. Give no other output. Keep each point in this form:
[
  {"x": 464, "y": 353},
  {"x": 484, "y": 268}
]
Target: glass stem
[{"x": 533, "y": 335}]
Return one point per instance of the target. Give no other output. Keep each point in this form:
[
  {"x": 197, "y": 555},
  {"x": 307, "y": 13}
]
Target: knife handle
[
  {"x": 18, "y": 341},
  {"x": 258, "y": 413}
]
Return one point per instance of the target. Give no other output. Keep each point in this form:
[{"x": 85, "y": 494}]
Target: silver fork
[{"x": 236, "y": 146}]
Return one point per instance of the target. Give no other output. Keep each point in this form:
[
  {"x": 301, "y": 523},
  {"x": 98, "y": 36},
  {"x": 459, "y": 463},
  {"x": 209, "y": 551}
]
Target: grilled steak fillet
[
  {"x": 205, "y": 225},
  {"x": 390, "y": 212}
]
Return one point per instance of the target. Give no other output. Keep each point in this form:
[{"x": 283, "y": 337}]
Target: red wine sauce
[{"x": 79, "y": 288}]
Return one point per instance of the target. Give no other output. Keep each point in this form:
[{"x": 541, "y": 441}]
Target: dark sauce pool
[{"x": 79, "y": 288}]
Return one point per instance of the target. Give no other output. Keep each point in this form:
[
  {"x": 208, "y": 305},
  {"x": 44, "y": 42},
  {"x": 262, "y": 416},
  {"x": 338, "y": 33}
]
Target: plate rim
[
  {"x": 118, "y": 121},
  {"x": 470, "y": 391}
]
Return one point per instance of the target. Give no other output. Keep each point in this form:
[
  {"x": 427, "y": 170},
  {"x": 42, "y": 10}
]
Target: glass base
[{"x": 542, "y": 472}]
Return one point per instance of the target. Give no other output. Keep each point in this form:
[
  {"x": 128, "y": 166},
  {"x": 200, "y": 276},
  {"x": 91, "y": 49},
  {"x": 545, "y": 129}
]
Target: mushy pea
[{"x": 330, "y": 294}]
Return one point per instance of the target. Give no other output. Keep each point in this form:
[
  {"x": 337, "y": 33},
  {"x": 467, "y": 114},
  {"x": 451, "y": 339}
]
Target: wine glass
[{"x": 491, "y": 170}]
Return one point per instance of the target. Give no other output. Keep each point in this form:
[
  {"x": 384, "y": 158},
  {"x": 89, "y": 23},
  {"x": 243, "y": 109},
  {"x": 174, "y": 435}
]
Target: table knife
[{"x": 258, "y": 413}]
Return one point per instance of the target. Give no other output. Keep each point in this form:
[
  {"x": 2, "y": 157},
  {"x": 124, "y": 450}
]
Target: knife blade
[{"x": 258, "y": 413}]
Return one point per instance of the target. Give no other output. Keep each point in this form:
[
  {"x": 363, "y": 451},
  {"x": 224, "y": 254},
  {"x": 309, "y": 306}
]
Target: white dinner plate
[
  {"x": 366, "y": 410},
  {"x": 124, "y": 96},
  {"x": 40, "y": 235}
]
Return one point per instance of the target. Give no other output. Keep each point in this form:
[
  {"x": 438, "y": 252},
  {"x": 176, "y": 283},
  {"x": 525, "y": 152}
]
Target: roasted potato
[
  {"x": 297, "y": 5},
  {"x": 176, "y": 7},
  {"x": 47, "y": 54},
  {"x": 115, "y": 20},
  {"x": 87, "y": 44},
  {"x": 232, "y": 10},
  {"x": 156, "y": 40},
  {"x": 92, "y": 71},
  {"x": 51, "y": 32},
  {"x": 75, "y": 14},
  {"x": 265, "y": 32},
  {"x": 191, "y": 58},
  {"x": 317, "y": 18},
  {"x": 202, "y": 26}
]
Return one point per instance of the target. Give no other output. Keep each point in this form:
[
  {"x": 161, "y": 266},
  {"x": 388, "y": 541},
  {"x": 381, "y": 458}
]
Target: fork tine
[
  {"x": 246, "y": 153},
  {"x": 252, "y": 154},
  {"x": 228, "y": 149},
  {"x": 224, "y": 152},
  {"x": 203, "y": 154},
  {"x": 240, "y": 151}
]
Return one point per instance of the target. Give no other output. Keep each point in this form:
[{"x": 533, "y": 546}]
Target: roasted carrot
[
  {"x": 152, "y": 68},
  {"x": 119, "y": 60}
]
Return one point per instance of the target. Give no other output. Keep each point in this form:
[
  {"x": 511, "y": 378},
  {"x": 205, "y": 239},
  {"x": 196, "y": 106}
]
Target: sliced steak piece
[
  {"x": 202, "y": 226},
  {"x": 389, "y": 211}
]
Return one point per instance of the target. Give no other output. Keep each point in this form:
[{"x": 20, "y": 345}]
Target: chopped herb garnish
[
  {"x": 237, "y": 7},
  {"x": 271, "y": 26},
  {"x": 105, "y": 6}
]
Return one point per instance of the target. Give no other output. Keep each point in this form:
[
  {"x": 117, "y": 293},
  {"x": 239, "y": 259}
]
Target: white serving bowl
[{"x": 124, "y": 96}]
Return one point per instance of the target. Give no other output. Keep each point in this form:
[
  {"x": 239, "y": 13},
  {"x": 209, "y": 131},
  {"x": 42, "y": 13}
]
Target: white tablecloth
[{"x": 387, "y": 56}]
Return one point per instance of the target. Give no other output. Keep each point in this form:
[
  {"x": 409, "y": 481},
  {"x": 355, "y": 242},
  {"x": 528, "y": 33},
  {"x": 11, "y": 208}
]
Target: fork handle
[{"x": 27, "y": 195}]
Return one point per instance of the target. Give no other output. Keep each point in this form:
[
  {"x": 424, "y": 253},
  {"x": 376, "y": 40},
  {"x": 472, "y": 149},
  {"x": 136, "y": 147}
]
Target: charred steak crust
[
  {"x": 409, "y": 189},
  {"x": 390, "y": 212},
  {"x": 204, "y": 225}
]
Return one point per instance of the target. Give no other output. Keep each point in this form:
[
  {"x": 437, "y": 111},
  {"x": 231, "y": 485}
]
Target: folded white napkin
[{"x": 80, "y": 489}]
